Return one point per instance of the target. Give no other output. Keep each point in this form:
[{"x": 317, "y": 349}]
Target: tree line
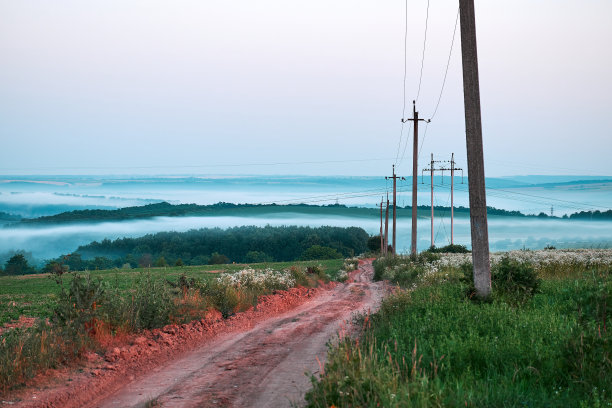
[
  {"x": 248, "y": 244},
  {"x": 176, "y": 210}
]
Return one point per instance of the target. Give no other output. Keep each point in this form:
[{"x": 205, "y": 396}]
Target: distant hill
[
  {"x": 6, "y": 217},
  {"x": 165, "y": 209}
]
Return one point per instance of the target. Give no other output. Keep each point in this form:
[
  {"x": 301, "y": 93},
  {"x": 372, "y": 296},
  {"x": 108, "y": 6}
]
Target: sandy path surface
[{"x": 261, "y": 365}]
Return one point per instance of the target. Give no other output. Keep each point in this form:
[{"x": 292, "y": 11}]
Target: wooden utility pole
[
  {"x": 415, "y": 171},
  {"x": 394, "y": 177},
  {"x": 475, "y": 155},
  {"x": 382, "y": 240},
  {"x": 387, "y": 226}
]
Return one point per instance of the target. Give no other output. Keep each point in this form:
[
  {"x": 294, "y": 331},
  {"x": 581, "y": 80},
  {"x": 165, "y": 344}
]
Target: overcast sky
[{"x": 162, "y": 87}]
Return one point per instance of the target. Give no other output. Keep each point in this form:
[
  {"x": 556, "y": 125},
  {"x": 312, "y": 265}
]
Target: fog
[
  {"x": 38, "y": 196},
  {"x": 504, "y": 232}
]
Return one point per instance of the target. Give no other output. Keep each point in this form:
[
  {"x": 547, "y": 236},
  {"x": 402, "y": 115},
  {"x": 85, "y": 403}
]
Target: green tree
[
  {"x": 320, "y": 252},
  {"x": 218, "y": 259},
  {"x": 374, "y": 243},
  {"x": 179, "y": 262},
  {"x": 17, "y": 265},
  {"x": 257, "y": 257},
  {"x": 161, "y": 262}
]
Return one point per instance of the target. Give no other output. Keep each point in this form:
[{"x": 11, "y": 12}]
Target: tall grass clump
[
  {"x": 148, "y": 304},
  {"x": 432, "y": 346}
]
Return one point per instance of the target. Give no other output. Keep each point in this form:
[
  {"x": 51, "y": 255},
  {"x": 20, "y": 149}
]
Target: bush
[
  {"x": 374, "y": 243},
  {"x": 78, "y": 307},
  {"x": 452, "y": 249},
  {"x": 218, "y": 259},
  {"x": 150, "y": 305},
  {"x": 317, "y": 252},
  {"x": 257, "y": 257},
  {"x": 161, "y": 262},
  {"x": 514, "y": 279},
  {"x": 224, "y": 298}
]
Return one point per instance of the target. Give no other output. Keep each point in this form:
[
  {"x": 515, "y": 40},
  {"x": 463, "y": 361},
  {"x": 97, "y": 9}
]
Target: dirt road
[{"x": 263, "y": 366}]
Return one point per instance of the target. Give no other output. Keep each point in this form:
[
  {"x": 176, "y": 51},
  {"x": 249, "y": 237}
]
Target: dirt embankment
[{"x": 254, "y": 359}]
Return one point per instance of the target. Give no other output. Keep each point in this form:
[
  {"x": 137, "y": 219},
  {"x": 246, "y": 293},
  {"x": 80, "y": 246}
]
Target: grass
[
  {"x": 433, "y": 347},
  {"x": 37, "y": 295},
  {"x": 88, "y": 307}
]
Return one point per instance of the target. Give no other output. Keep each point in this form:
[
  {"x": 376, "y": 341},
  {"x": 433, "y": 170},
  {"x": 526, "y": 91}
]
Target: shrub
[
  {"x": 257, "y": 257},
  {"x": 450, "y": 249},
  {"x": 316, "y": 252},
  {"x": 161, "y": 262},
  {"x": 515, "y": 279},
  {"x": 317, "y": 270},
  {"x": 224, "y": 298},
  {"x": 77, "y": 308},
  {"x": 374, "y": 243},
  {"x": 150, "y": 305},
  {"x": 218, "y": 259}
]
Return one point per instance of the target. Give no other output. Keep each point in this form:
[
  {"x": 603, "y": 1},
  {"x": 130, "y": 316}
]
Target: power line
[
  {"x": 423, "y": 55},
  {"x": 447, "y": 65},
  {"x": 399, "y": 145},
  {"x": 199, "y": 165}
]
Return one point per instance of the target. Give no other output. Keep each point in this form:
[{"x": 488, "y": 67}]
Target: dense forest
[
  {"x": 592, "y": 215},
  {"x": 213, "y": 246}
]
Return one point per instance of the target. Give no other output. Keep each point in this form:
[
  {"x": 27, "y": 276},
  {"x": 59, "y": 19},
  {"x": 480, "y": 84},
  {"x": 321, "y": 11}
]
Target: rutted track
[{"x": 263, "y": 366}]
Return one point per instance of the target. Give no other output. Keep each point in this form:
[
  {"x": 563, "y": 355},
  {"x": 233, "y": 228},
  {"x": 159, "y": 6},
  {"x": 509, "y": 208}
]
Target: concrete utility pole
[
  {"x": 442, "y": 169},
  {"x": 387, "y": 226},
  {"x": 415, "y": 172},
  {"x": 432, "y": 169},
  {"x": 475, "y": 155},
  {"x": 382, "y": 240},
  {"x": 394, "y": 177}
]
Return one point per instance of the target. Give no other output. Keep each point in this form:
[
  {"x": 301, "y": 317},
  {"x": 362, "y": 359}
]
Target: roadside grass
[
  {"x": 431, "y": 346},
  {"x": 37, "y": 295},
  {"x": 78, "y": 311}
]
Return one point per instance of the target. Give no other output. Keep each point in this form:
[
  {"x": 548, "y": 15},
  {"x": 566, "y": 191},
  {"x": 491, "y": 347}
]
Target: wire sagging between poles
[{"x": 423, "y": 55}]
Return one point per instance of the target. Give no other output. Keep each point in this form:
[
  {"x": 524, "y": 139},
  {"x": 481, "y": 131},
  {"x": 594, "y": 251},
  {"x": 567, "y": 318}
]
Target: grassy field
[
  {"x": 37, "y": 295},
  {"x": 430, "y": 345}
]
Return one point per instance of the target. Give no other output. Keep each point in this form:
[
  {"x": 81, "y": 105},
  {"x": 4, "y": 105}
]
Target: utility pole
[
  {"x": 387, "y": 226},
  {"x": 475, "y": 155},
  {"x": 452, "y": 170},
  {"x": 415, "y": 169},
  {"x": 394, "y": 177},
  {"x": 452, "y": 193},
  {"x": 432, "y": 169},
  {"x": 382, "y": 240}
]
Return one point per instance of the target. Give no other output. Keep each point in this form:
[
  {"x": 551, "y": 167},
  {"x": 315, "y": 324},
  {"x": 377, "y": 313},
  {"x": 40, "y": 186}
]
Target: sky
[{"x": 298, "y": 87}]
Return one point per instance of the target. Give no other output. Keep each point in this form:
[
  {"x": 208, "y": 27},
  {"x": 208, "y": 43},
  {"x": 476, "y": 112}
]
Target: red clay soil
[
  {"x": 253, "y": 359},
  {"x": 22, "y": 322}
]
